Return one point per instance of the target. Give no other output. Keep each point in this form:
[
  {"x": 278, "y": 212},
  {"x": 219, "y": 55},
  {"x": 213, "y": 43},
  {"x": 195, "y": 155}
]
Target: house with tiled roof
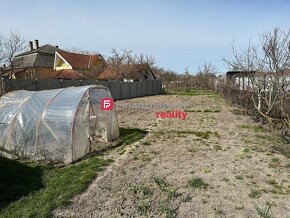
[
  {"x": 86, "y": 66},
  {"x": 51, "y": 62},
  {"x": 34, "y": 63},
  {"x": 127, "y": 73}
]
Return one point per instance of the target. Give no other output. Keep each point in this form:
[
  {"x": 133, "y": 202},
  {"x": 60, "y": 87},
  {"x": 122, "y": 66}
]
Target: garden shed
[{"x": 55, "y": 125}]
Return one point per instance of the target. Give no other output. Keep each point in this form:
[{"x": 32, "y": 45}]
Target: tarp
[{"x": 55, "y": 125}]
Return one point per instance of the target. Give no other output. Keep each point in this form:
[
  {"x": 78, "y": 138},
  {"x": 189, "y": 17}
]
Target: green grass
[
  {"x": 263, "y": 211},
  {"x": 275, "y": 162},
  {"x": 144, "y": 208},
  {"x": 205, "y": 111},
  {"x": 255, "y": 193},
  {"x": 226, "y": 179},
  {"x": 217, "y": 148},
  {"x": 203, "y": 135},
  {"x": 160, "y": 181},
  {"x": 141, "y": 189},
  {"x": 172, "y": 193},
  {"x": 192, "y": 150},
  {"x": 200, "y": 134},
  {"x": 146, "y": 143},
  {"x": 239, "y": 177},
  {"x": 218, "y": 211},
  {"x": 167, "y": 211},
  {"x": 256, "y": 129},
  {"x": 129, "y": 136},
  {"x": 34, "y": 190},
  {"x": 196, "y": 182},
  {"x": 283, "y": 149},
  {"x": 194, "y": 92}
]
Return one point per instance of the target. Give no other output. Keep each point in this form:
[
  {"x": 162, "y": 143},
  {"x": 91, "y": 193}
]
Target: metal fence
[{"x": 119, "y": 90}]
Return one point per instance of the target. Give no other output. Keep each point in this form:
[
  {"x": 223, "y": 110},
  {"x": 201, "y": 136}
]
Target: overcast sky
[{"x": 178, "y": 33}]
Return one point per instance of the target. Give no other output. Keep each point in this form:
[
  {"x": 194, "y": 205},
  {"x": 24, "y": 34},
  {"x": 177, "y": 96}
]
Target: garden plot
[{"x": 216, "y": 162}]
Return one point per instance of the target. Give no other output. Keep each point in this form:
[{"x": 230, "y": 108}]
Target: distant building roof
[
  {"x": 78, "y": 61},
  {"x": 45, "y": 49},
  {"x": 131, "y": 71},
  {"x": 41, "y": 57}
]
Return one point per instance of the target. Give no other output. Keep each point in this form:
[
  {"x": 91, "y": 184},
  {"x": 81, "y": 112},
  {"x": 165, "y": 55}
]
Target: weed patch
[
  {"x": 239, "y": 177},
  {"x": 200, "y": 134},
  {"x": 283, "y": 149},
  {"x": 275, "y": 162},
  {"x": 217, "y": 148},
  {"x": 255, "y": 193},
  {"x": 256, "y": 129},
  {"x": 196, "y": 182},
  {"x": 263, "y": 212},
  {"x": 160, "y": 181}
]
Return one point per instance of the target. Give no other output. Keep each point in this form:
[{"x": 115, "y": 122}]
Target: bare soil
[{"x": 229, "y": 152}]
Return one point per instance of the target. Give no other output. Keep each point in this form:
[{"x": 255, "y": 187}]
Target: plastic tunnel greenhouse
[{"x": 55, "y": 125}]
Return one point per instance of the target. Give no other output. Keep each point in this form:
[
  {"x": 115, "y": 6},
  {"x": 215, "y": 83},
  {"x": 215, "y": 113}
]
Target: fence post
[
  {"x": 120, "y": 85},
  {"x": 1, "y": 87},
  {"x": 129, "y": 89},
  {"x": 147, "y": 85}
]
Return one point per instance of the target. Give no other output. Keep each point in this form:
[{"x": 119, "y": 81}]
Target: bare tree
[
  {"x": 166, "y": 75},
  {"x": 11, "y": 45},
  {"x": 205, "y": 78},
  {"x": 81, "y": 51},
  {"x": 119, "y": 58},
  {"x": 267, "y": 67},
  {"x": 125, "y": 60},
  {"x": 129, "y": 57},
  {"x": 144, "y": 59},
  {"x": 2, "y": 56}
]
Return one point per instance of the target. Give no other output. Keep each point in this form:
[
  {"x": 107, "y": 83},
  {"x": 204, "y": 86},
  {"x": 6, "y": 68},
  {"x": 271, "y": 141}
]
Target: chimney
[
  {"x": 4, "y": 66},
  {"x": 36, "y": 43},
  {"x": 30, "y": 45}
]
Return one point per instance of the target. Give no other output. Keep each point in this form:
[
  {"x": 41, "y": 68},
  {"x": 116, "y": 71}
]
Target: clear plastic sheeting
[{"x": 55, "y": 125}]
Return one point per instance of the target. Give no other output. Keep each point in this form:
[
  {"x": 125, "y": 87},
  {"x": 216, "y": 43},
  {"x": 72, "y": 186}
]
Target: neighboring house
[
  {"x": 240, "y": 79},
  {"x": 33, "y": 64},
  {"x": 79, "y": 65},
  {"x": 50, "y": 62},
  {"x": 243, "y": 80},
  {"x": 127, "y": 73}
]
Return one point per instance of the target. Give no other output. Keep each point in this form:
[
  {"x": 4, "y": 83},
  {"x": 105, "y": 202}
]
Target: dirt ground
[{"x": 230, "y": 153}]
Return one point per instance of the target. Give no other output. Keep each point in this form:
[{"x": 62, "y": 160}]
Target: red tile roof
[{"x": 78, "y": 61}]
